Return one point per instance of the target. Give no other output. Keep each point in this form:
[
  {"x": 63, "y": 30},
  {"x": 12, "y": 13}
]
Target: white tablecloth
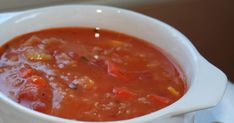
[{"x": 222, "y": 113}]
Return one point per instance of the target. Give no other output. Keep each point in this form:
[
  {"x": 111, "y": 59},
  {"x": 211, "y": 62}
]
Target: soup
[{"x": 88, "y": 74}]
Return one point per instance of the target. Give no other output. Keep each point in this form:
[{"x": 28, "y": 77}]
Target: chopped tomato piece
[
  {"x": 35, "y": 89},
  {"x": 37, "y": 80},
  {"x": 31, "y": 89},
  {"x": 26, "y": 72},
  {"x": 29, "y": 92},
  {"x": 115, "y": 71},
  {"x": 123, "y": 93},
  {"x": 158, "y": 99}
]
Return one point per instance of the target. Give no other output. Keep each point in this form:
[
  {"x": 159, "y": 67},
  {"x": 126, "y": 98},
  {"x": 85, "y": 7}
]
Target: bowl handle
[{"x": 206, "y": 90}]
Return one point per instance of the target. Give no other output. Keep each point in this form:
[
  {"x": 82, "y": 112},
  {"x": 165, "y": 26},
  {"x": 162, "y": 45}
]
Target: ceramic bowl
[{"x": 206, "y": 83}]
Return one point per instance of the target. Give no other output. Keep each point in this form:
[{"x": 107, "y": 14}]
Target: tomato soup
[{"x": 88, "y": 74}]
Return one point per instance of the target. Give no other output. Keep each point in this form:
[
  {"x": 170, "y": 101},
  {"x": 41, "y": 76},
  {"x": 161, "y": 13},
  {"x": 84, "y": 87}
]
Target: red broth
[{"x": 88, "y": 74}]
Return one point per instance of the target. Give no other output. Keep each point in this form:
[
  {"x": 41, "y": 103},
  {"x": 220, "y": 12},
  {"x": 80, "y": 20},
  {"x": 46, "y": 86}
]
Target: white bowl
[{"x": 206, "y": 83}]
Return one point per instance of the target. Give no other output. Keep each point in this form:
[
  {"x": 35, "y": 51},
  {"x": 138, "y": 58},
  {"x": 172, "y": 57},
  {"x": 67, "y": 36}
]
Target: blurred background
[{"x": 209, "y": 24}]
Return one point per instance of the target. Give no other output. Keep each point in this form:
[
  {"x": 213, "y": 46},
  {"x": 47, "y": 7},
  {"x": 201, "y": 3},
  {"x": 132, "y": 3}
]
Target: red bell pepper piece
[
  {"x": 38, "y": 81},
  {"x": 115, "y": 71},
  {"x": 123, "y": 93},
  {"x": 158, "y": 99}
]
